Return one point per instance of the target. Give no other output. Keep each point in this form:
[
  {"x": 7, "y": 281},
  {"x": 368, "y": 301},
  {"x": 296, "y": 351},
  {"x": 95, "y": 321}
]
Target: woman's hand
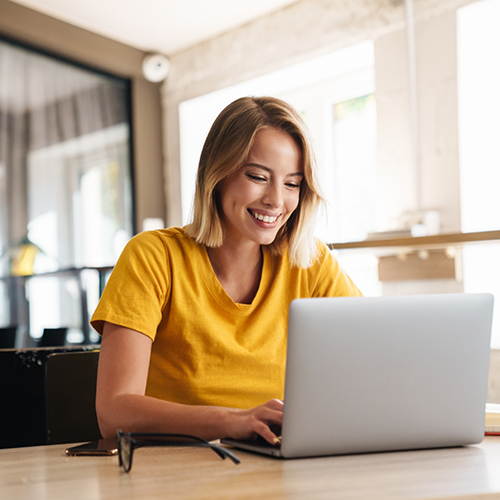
[
  {"x": 121, "y": 402},
  {"x": 259, "y": 421}
]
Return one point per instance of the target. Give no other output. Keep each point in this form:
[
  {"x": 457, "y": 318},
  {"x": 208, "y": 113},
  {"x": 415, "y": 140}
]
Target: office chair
[
  {"x": 53, "y": 337},
  {"x": 8, "y": 337},
  {"x": 71, "y": 379}
]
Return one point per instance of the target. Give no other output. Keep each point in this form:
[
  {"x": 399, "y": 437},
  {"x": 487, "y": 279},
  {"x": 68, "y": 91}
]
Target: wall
[
  {"x": 314, "y": 27},
  {"x": 437, "y": 111},
  {"x": 57, "y": 37}
]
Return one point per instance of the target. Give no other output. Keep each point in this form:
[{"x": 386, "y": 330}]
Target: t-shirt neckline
[{"x": 220, "y": 295}]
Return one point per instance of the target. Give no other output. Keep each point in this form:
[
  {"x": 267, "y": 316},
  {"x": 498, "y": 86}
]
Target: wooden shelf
[{"x": 439, "y": 240}]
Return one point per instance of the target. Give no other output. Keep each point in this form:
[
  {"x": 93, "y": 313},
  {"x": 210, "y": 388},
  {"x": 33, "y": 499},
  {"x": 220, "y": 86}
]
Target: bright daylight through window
[
  {"x": 479, "y": 129},
  {"x": 65, "y": 188}
]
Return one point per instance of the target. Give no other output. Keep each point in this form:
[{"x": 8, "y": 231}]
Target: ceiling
[{"x": 166, "y": 26}]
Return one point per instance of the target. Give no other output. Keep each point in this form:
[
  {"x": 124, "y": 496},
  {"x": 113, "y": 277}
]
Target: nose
[{"x": 273, "y": 195}]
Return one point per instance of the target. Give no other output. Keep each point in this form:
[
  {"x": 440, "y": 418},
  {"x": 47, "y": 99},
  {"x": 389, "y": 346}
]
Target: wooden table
[{"x": 45, "y": 472}]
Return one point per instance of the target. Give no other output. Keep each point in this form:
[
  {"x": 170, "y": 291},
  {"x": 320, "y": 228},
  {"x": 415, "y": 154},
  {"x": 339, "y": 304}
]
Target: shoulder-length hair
[{"x": 226, "y": 150}]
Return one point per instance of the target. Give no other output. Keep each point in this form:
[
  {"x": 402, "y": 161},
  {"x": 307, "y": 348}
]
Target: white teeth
[{"x": 264, "y": 218}]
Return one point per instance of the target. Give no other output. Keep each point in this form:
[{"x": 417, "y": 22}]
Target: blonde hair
[{"x": 227, "y": 148}]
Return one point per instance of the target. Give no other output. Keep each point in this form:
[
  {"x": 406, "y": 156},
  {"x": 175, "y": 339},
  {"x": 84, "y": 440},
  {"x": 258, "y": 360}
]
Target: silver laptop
[{"x": 383, "y": 373}]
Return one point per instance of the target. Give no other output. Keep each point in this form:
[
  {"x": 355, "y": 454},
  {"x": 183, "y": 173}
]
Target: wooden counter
[{"x": 45, "y": 472}]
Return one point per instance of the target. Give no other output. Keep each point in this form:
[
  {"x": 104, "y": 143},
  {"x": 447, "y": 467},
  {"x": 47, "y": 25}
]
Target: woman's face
[{"x": 259, "y": 198}]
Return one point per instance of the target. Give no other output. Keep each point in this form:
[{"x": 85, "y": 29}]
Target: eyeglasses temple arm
[{"x": 223, "y": 453}]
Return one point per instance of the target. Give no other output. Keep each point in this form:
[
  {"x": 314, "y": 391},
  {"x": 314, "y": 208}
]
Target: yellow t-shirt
[{"x": 207, "y": 349}]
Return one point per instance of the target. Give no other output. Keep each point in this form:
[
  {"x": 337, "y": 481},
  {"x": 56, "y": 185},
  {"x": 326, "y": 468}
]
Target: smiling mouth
[{"x": 263, "y": 218}]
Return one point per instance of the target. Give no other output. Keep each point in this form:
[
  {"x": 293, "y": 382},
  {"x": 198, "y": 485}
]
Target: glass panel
[
  {"x": 65, "y": 186},
  {"x": 54, "y": 302},
  {"x": 479, "y": 109},
  {"x": 362, "y": 268},
  {"x": 482, "y": 274},
  {"x": 478, "y": 40},
  {"x": 90, "y": 280},
  {"x": 4, "y": 305},
  {"x": 355, "y": 188},
  {"x": 80, "y": 200},
  {"x": 4, "y": 244}
]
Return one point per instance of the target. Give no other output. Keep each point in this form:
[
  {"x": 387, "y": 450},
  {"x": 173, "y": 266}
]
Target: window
[
  {"x": 312, "y": 87},
  {"x": 355, "y": 169},
  {"x": 65, "y": 186},
  {"x": 479, "y": 129}
]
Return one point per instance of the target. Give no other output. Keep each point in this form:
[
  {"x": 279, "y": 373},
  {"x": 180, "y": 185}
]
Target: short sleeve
[
  {"x": 330, "y": 279},
  {"x": 138, "y": 287}
]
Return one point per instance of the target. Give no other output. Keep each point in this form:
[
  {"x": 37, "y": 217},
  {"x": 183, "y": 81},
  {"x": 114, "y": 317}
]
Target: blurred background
[{"x": 399, "y": 97}]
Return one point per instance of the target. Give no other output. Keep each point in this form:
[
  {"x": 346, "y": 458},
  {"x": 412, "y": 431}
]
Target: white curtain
[
  {"x": 65, "y": 169},
  {"x": 57, "y": 123}
]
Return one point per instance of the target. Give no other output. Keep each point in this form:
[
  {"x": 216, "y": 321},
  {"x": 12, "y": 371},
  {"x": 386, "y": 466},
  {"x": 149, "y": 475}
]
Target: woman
[{"x": 194, "y": 319}]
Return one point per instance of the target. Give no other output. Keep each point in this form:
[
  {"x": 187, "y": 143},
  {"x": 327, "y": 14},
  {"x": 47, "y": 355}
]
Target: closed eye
[{"x": 258, "y": 178}]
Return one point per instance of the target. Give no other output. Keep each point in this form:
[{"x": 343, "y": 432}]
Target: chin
[{"x": 267, "y": 240}]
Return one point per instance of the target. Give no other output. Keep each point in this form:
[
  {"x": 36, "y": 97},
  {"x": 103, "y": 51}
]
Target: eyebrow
[{"x": 267, "y": 169}]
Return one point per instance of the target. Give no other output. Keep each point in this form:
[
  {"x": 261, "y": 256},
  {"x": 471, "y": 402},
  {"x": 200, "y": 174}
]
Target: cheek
[
  {"x": 292, "y": 201},
  {"x": 291, "y": 204},
  {"x": 235, "y": 196}
]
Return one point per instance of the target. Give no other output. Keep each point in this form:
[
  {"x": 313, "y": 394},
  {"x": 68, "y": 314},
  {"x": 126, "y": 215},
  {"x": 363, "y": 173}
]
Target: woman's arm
[{"x": 121, "y": 402}]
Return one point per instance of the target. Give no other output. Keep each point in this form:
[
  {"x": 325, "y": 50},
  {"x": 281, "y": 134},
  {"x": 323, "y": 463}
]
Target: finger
[
  {"x": 267, "y": 423},
  {"x": 275, "y": 404},
  {"x": 265, "y": 432},
  {"x": 269, "y": 416}
]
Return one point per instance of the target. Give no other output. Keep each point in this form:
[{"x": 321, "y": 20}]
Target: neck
[{"x": 238, "y": 270}]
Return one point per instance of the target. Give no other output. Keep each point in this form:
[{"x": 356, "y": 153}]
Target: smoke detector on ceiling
[{"x": 155, "y": 67}]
